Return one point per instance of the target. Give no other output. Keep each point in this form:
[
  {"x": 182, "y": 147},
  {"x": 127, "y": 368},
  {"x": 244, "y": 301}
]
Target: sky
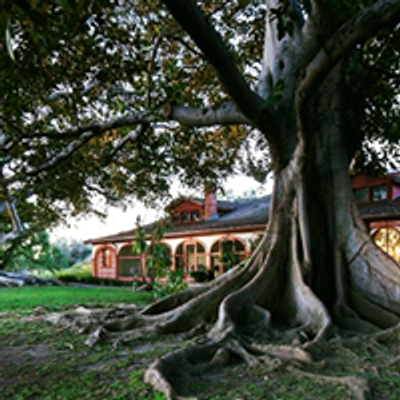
[{"x": 119, "y": 220}]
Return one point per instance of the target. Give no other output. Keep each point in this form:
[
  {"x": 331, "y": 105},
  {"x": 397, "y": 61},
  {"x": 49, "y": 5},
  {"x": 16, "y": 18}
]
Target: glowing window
[{"x": 388, "y": 239}]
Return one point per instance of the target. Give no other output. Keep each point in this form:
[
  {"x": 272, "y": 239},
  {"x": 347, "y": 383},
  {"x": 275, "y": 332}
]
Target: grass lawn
[
  {"x": 45, "y": 362},
  {"x": 26, "y": 299}
]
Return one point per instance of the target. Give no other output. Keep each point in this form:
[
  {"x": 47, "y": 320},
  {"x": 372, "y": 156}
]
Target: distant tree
[
  {"x": 232, "y": 196},
  {"x": 116, "y": 99},
  {"x": 75, "y": 251},
  {"x": 35, "y": 253}
]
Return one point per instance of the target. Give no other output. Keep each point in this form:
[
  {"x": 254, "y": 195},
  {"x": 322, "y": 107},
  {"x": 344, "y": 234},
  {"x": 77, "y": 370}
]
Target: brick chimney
[{"x": 210, "y": 205}]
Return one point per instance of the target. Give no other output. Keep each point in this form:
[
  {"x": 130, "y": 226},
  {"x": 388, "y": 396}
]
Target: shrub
[
  {"x": 82, "y": 273},
  {"x": 174, "y": 283}
]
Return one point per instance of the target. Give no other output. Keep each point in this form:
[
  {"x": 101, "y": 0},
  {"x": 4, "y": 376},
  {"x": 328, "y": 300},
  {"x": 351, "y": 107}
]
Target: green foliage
[
  {"x": 76, "y": 251},
  {"x": 139, "y": 244},
  {"x": 231, "y": 196},
  {"x": 158, "y": 259},
  {"x": 35, "y": 252},
  {"x": 228, "y": 258},
  {"x": 173, "y": 282},
  {"x": 373, "y": 105},
  {"x": 82, "y": 273},
  {"x": 81, "y": 63},
  {"x": 157, "y": 255},
  {"x": 78, "y": 273},
  {"x": 65, "y": 64}
]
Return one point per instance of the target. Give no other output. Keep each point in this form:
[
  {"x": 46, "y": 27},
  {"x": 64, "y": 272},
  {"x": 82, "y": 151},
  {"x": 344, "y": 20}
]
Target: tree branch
[
  {"x": 150, "y": 67},
  {"x": 366, "y": 23},
  {"x": 9, "y": 205},
  {"x": 72, "y": 148},
  {"x": 98, "y": 127},
  {"x": 270, "y": 50},
  {"x": 193, "y": 21},
  {"x": 226, "y": 114},
  {"x": 51, "y": 162}
]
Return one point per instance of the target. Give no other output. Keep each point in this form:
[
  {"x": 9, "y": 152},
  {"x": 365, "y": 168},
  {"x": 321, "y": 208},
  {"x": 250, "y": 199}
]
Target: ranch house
[{"x": 209, "y": 236}]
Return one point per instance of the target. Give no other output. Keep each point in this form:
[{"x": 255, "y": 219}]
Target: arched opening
[
  {"x": 388, "y": 239},
  {"x": 104, "y": 262},
  {"x": 190, "y": 257},
  {"x": 226, "y": 253},
  {"x": 129, "y": 263}
]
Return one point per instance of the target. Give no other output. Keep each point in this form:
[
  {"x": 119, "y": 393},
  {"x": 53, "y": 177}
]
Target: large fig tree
[{"x": 120, "y": 98}]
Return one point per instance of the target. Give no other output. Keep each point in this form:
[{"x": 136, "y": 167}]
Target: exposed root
[
  {"x": 310, "y": 311},
  {"x": 122, "y": 325},
  {"x": 391, "y": 335},
  {"x": 83, "y": 319},
  {"x": 286, "y": 353},
  {"x": 170, "y": 373},
  {"x": 358, "y": 386}
]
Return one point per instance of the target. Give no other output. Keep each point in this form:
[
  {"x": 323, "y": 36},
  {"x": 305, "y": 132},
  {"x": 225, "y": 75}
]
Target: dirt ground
[{"x": 42, "y": 361}]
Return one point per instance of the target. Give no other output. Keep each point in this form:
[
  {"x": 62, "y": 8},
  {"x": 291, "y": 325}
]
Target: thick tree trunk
[{"x": 316, "y": 267}]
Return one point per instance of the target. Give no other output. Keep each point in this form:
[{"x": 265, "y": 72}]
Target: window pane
[
  {"x": 215, "y": 247},
  {"x": 185, "y": 216},
  {"x": 214, "y": 261},
  {"x": 129, "y": 266},
  {"x": 195, "y": 215},
  {"x": 227, "y": 246},
  {"x": 379, "y": 193},
  {"x": 239, "y": 246},
  {"x": 200, "y": 248},
  {"x": 201, "y": 262}
]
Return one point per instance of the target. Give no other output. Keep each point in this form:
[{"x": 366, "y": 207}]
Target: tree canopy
[{"x": 90, "y": 92}]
